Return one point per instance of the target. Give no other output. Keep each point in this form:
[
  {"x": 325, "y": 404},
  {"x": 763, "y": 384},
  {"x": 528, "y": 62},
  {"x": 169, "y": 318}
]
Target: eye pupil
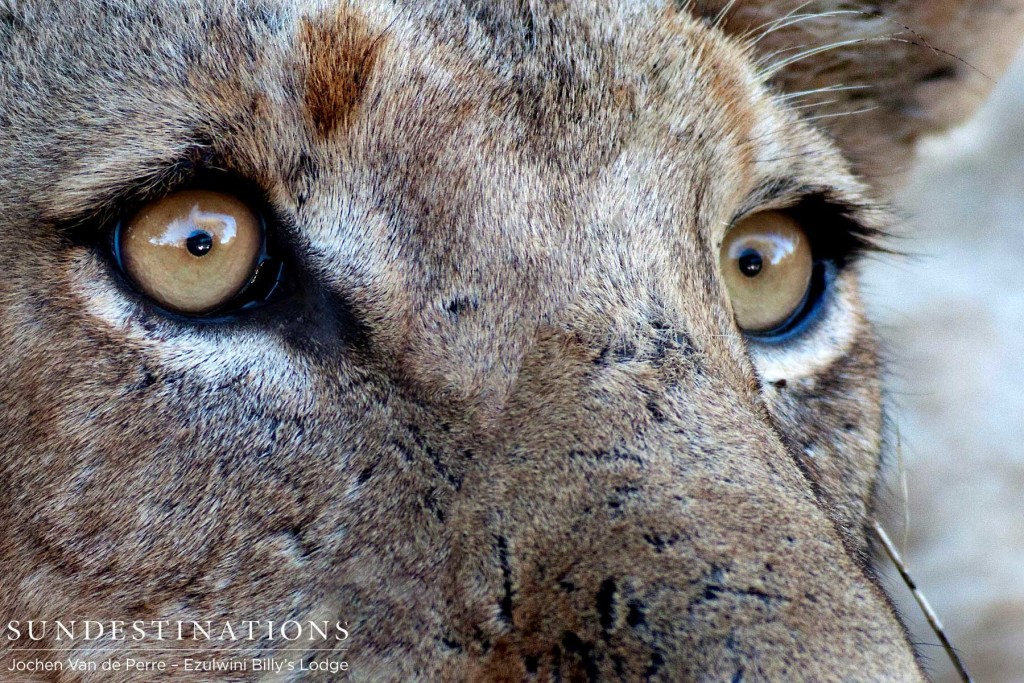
[
  {"x": 750, "y": 263},
  {"x": 199, "y": 243}
]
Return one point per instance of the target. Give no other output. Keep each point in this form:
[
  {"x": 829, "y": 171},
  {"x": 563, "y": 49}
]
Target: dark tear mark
[{"x": 340, "y": 55}]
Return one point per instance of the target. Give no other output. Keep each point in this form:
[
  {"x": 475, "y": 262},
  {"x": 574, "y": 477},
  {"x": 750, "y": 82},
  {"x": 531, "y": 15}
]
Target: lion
[{"x": 455, "y": 340}]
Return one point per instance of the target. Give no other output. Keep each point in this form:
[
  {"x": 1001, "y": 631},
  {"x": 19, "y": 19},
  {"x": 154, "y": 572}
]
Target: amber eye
[
  {"x": 767, "y": 263},
  {"x": 192, "y": 251}
]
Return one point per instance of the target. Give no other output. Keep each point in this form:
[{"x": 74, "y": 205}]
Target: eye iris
[
  {"x": 767, "y": 265},
  {"x": 199, "y": 243},
  {"x": 192, "y": 251},
  {"x": 750, "y": 263}
]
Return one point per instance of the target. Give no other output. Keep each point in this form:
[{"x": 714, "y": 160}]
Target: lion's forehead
[{"x": 560, "y": 88}]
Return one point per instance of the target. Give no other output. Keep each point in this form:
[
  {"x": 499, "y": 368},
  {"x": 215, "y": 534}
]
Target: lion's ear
[{"x": 894, "y": 69}]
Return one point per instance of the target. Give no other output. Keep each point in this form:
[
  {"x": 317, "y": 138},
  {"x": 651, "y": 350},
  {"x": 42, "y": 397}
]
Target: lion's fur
[{"x": 511, "y": 430}]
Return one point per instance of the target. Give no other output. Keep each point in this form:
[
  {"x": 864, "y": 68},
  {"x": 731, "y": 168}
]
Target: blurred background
[{"x": 951, "y": 314}]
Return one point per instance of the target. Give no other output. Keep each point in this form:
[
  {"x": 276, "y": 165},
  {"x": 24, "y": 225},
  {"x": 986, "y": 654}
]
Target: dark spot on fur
[
  {"x": 295, "y": 539},
  {"x": 437, "y": 459},
  {"x": 432, "y": 502},
  {"x": 669, "y": 342},
  {"x": 616, "y": 455},
  {"x": 451, "y": 644},
  {"x": 618, "y": 498},
  {"x": 660, "y": 542},
  {"x": 606, "y": 605},
  {"x": 943, "y": 73},
  {"x": 532, "y": 663},
  {"x": 625, "y": 352},
  {"x": 781, "y": 384},
  {"x": 148, "y": 380},
  {"x": 511, "y": 26},
  {"x": 657, "y": 661},
  {"x": 10, "y": 22},
  {"x": 461, "y": 305},
  {"x": 635, "y": 615},
  {"x": 556, "y": 662},
  {"x": 716, "y": 586},
  {"x": 585, "y": 651},
  {"x": 365, "y": 474},
  {"x": 340, "y": 55},
  {"x": 738, "y": 676},
  {"x": 655, "y": 411},
  {"x": 480, "y": 637},
  {"x": 301, "y": 177},
  {"x": 501, "y": 544}
]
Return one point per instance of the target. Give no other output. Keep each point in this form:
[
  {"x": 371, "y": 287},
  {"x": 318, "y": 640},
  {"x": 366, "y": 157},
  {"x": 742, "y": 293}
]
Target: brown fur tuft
[{"x": 340, "y": 53}]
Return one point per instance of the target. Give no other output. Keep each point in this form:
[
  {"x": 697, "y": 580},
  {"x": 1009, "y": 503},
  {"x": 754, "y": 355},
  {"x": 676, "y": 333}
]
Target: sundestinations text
[{"x": 117, "y": 630}]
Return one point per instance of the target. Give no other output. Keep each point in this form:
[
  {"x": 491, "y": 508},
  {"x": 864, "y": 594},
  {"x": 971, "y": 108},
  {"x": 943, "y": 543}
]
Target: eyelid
[
  {"x": 839, "y": 230},
  {"x": 774, "y": 195}
]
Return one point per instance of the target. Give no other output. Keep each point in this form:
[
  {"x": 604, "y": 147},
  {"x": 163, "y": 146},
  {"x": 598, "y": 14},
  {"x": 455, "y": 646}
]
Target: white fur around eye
[
  {"x": 207, "y": 353},
  {"x": 829, "y": 338}
]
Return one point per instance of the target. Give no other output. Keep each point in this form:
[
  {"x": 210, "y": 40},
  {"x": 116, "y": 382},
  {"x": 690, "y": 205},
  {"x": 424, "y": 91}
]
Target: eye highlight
[
  {"x": 767, "y": 263},
  {"x": 192, "y": 252}
]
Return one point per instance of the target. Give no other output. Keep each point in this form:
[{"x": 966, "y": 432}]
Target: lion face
[{"x": 524, "y": 340}]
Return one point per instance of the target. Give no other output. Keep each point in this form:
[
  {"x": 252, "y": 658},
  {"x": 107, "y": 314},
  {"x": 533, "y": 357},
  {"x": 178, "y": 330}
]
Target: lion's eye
[
  {"x": 767, "y": 263},
  {"x": 193, "y": 252}
]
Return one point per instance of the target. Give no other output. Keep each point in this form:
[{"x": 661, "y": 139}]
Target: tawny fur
[{"x": 511, "y": 431}]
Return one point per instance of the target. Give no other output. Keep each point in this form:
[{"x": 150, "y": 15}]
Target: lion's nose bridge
[{"x": 650, "y": 520}]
